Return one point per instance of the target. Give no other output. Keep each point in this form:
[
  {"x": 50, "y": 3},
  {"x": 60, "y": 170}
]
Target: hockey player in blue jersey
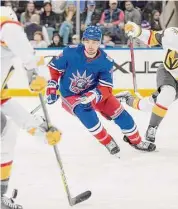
[{"x": 83, "y": 74}]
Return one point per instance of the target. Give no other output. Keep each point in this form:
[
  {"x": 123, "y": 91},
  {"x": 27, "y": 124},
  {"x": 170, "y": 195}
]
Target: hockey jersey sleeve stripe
[
  {"x": 2, "y": 43},
  {"x": 105, "y": 83},
  {"x": 50, "y": 65},
  {"x": 9, "y": 21},
  {"x": 153, "y": 39},
  {"x": 55, "y": 74}
]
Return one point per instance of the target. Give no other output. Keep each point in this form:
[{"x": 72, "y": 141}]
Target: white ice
[{"x": 135, "y": 181}]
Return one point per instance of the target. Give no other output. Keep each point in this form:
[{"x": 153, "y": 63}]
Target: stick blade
[{"x": 81, "y": 197}]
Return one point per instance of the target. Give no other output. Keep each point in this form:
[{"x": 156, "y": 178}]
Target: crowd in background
[{"x": 52, "y": 23}]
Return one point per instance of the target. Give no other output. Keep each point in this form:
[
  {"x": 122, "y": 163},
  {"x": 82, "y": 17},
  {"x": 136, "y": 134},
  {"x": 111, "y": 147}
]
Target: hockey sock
[
  {"x": 91, "y": 121},
  {"x": 158, "y": 113},
  {"x": 128, "y": 127},
  {"x": 164, "y": 100},
  {"x": 5, "y": 174}
]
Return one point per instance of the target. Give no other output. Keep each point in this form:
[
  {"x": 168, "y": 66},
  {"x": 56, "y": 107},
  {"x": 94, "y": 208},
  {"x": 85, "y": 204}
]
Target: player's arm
[
  {"x": 20, "y": 47},
  {"x": 56, "y": 67},
  {"x": 104, "y": 87},
  {"x": 106, "y": 81},
  {"x": 149, "y": 37}
]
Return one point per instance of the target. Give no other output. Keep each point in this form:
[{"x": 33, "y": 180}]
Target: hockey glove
[
  {"x": 53, "y": 136},
  {"x": 36, "y": 83},
  {"x": 132, "y": 29},
  {"x": 91, "y": 96},
  {"x": 52, "y": 92}
]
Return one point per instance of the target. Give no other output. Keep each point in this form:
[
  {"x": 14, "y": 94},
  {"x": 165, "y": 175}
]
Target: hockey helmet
[
  {"x": 92, "y": 33},
  {"x": 7, "y": 14},
  {"x": 170, "y": 38}
]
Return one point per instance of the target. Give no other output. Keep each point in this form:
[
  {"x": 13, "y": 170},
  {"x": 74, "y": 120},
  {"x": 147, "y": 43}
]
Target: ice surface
[{"x": 136, "y": 181}]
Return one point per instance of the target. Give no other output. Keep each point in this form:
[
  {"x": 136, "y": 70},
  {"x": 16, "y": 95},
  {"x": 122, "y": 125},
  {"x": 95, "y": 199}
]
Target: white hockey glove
[
  {"x": 90, "y": 96},
  {"x": 132, "y": 29},
  {"x": 52, "y": 135}
]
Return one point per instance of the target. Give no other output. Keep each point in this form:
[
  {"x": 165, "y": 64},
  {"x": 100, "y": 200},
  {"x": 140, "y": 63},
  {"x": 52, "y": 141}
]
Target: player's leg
[
  {"x": 168, "y": 92},
  {"x": 113, "y": 109},
  {"x": 89, "y": 119},
  {"x": 8, "y": 139}
]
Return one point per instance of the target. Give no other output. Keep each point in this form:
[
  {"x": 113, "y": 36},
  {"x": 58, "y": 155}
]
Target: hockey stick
[
  {"x": 72, "y": 200},
  {"x": 133, "y": 67},
  {"x": 37, "y": 108}
]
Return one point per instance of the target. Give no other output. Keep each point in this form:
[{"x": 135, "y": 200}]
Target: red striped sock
[
  {"x": 135, "y": 138},
  {"x": 103, "y": 137}
]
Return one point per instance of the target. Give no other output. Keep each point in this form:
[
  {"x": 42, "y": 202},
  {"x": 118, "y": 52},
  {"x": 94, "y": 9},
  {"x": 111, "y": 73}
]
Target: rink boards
[{"x": 146, "y": 64}]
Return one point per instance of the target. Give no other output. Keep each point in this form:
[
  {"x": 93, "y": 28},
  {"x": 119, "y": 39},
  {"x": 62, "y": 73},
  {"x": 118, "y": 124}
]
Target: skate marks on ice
[{"x": 137, "y": 180}]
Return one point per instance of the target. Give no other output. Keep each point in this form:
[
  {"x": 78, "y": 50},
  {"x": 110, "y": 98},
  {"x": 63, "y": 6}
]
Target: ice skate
[
  {"x": 8, "y": 203},
  {"x": 143, "y": 145},
  {"x": 151, "y": 134},
  {"x": 113, "y": 148}
]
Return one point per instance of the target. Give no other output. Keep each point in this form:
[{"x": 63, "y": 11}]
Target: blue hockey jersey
[{"x": 81, "y": 74}]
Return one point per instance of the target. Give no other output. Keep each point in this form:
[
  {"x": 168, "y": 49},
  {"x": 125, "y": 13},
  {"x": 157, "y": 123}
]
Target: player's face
[{"x": 91, "y": 46}]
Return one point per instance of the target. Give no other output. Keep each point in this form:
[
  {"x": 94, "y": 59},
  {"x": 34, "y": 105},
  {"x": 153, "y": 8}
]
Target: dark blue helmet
[{"x": 92, "y": 33}]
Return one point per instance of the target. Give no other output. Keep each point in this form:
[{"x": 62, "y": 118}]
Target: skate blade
[{"x": 117, "y": 155}]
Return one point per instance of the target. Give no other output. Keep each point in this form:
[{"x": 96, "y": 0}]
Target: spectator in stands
[
  {"x": 68, "y": 26},
  {"x": 56, "y": 41},
  {"x": 112, "y": 20},
  {"x": 91, "y": 16},
  {"x": 11, "y": 4},
  {"x": 132, "y": 14},
  {"x": 38, "y": 5},
  {"x": 49, "y": 19},
  {"x": 75, "y": 39},
  {"x": 155, "y": 23},
  {"x": 101, "y": 5},
  {"x": 149, "y": 7},
  {"x": 145, "y": 24},
  {"x": 35, "y": 26},
  {"x": 38, "y": 40},
  {"x": 107, "y": 40},
  {"x": 8, "y": 4},
  {"x": 25, "y": 16}
]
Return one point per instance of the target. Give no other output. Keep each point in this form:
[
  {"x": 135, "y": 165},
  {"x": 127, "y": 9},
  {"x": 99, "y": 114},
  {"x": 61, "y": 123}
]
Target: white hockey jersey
[
  {"x": 168, "y": 39},
  {"x": 14, "y": 43}
]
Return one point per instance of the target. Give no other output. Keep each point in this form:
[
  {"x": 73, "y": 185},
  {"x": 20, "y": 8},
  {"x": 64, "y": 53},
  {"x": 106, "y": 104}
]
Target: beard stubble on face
[{"x": 90, "y": 53}]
